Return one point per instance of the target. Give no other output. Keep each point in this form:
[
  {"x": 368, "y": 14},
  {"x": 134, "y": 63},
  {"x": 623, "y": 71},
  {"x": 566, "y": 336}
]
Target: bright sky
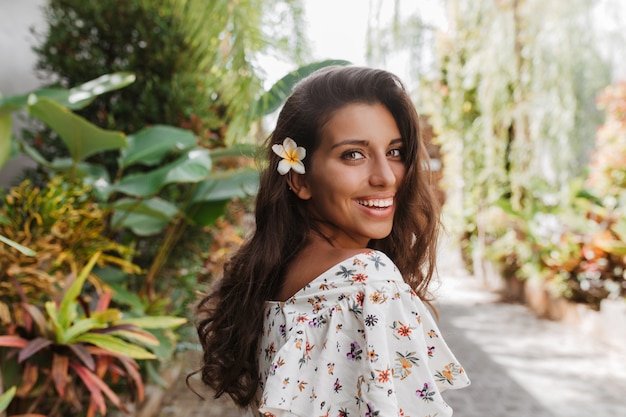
[{"x": 337, "y": 29}]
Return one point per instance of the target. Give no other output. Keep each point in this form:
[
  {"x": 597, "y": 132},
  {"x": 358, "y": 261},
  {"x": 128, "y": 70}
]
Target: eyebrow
[{"x": 360, "y": 142}]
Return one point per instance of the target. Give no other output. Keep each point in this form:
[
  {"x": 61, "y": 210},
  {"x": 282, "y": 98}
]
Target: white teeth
[{"x": 381, "y": 203}]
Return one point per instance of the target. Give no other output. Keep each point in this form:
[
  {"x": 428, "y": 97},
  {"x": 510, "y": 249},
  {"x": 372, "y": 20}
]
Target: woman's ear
[{"x": 298, "y": 184}]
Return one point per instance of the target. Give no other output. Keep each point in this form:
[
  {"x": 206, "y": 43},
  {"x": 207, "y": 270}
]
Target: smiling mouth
[{"x": 377, "y": 203}]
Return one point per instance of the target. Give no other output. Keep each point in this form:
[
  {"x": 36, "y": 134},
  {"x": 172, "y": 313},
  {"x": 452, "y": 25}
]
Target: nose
[{"x": 382, "y": 174}]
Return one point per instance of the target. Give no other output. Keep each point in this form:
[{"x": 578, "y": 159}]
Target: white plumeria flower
[{"x": 292, "y": 155}]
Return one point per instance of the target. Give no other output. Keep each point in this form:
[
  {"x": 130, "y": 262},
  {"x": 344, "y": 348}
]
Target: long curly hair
[{"x": 231, "y": 316}]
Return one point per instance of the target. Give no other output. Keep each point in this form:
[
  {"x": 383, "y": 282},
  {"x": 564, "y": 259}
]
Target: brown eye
[
  {"x": 352, "y": 155},
  {"x": 395, "y": 153}
]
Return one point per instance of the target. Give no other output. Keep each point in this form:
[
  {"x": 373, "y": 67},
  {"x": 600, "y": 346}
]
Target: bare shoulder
[{"x": 311, "y": 263}]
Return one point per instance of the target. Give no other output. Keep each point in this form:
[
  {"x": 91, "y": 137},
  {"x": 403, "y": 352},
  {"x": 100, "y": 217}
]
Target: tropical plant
[
  {"x": 65, "y": 226},
  {"x": 59, "y": 355},
  {"x": 189, "y": 73}
]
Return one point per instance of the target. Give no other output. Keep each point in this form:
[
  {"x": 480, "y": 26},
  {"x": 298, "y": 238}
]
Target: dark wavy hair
[{"x": 231, "y": 316}]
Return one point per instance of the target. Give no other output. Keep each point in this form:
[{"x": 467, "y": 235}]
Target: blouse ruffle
[{"x": 356, "y": 341}]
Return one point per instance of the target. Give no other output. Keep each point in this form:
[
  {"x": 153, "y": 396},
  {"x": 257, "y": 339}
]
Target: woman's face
[{"x": 355, "y": 174}]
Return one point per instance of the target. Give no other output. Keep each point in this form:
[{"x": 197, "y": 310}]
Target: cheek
[{"x": 399, "y": 171}]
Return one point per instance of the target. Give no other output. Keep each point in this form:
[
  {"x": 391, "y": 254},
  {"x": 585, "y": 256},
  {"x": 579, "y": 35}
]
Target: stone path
[{"x": 520, "y": 366}]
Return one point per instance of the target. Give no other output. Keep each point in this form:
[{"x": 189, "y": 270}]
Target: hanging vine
[{"x": 504, "y": 97}]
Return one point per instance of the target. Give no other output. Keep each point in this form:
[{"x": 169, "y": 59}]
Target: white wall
[
  {"x": 17, "y": 61},
  {"x": 16, "y": 57}
]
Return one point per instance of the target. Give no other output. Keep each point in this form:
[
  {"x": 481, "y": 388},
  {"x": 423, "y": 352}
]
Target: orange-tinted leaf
[
  {"x": 93, "y": 408},
  {"x": 29, "y": 379},
  {"x": 102, "y": 364},
  {"x": 91, "y": 380},
  {"x": 104, "y": 301},
  {"x": 132, "y": 369},
  {"x": 60, "y": 364},
  {"x": 33, "y": 347},
  {"x": 13, "y": 341},
  {"x": 88, "y": 379}
]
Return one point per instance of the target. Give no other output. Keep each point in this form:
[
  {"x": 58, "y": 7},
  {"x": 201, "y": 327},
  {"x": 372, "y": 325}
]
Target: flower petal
[
  {"x": 301, "y": 153},
  {"x": 289, "y": 145},
  {"x": 279, "y": 150},
  {"x": 298, "y": 167},
  {"x": 283, "y": 167}
]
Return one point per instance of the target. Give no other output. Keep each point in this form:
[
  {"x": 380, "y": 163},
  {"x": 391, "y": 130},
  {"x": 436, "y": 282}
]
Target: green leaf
[
  {"x": 211, "y": 196},
  {"x": 6, "y": 398},
  {"x": 143, "y": 217},
  {"x": 75, "y": 98},
  {"x": 278, "y": 93},
  {"x": 115, "y": 345},
  {"x": 23, "y": 249},
  {"x": 225, "y": 185},
  {"x": 154, "y": 322},
  {"x": 34, "y": 154},
  {"x": 90, "y": 172},
  {"x": 155, "y": 376},
  {"x": 5, "y": 138},
  {"x": 137, "y": 336},
  {"x": 154, "y": 207},
  {"x": 84, "y": 94},
  {"x": 67, "y": 307},
  {"x": 123, "y": 296},
  {"x": 150, "y": 145},
  {"x": 206, "y": 213},
  {"x": 166, "y": 346},
  {"x": 235, "y": 151},
  {"x": 82, "y": 138},
  {"x": 53, "y": 313},
  {"x": 80, "y": 327},
  {"x": 192, "y": 167}
]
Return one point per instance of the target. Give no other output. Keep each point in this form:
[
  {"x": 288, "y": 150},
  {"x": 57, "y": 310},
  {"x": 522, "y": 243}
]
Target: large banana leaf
[
  {"x": 82, "y": 138},
  {"x": 74, "y": 98},
  {"x": 237, "y": 150},
  {"x": 192, "y": 167},
  {"x": 211, "y": 196},
  {"x": 278, "y": 93},
  {"x": 225, "y": 185},
  {"x": 143, "y": 217},
  {"x": 150, "y": 145}
]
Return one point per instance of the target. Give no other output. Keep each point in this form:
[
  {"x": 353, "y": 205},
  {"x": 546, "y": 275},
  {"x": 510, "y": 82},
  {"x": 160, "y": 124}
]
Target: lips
[{"x": 376, "y": 202}]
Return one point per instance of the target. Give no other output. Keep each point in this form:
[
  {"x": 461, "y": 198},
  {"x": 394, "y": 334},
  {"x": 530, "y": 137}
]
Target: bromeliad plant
[{"x": 73, "y": 349}]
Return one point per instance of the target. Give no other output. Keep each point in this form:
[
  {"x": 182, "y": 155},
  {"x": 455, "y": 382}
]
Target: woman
[{"x": 321, "y": 312}]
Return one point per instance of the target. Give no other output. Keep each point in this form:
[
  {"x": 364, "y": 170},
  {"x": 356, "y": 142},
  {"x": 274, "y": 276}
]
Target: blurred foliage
[
  {"x": 575, "y": 239},
  {"x": 65, "y": 225},
  {"x": 195, "y": 60},
  {"x": 511, "y": 99}
]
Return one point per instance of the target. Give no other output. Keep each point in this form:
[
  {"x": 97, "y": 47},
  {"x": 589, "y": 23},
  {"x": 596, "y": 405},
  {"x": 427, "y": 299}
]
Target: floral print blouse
[{"x": 356, "y": 341}]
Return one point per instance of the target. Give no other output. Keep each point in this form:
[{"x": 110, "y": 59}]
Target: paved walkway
[{"x": 520, "y": 366}]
